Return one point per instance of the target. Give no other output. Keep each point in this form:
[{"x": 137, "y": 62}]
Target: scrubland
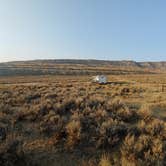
[{"x": 69, "y": 121}]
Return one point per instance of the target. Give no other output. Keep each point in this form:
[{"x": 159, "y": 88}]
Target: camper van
[{"x": 101, "y": 79}]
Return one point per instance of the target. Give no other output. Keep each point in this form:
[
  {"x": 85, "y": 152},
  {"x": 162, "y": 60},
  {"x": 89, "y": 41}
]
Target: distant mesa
[{"x": 79, "y": 67}]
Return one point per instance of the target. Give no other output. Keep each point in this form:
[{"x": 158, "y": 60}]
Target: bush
[{"x": 73, "y": 129}]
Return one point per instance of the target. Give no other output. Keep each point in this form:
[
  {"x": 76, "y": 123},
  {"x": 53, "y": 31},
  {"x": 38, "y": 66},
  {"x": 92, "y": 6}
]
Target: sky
[{"x": 83, "y": 29}]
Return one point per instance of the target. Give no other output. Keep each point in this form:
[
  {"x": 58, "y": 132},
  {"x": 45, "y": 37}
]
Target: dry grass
[
  {"x": 105, "y": 161},
  {"x": 70, "y": 121}
]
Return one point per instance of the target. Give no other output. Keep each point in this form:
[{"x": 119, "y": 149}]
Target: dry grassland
[{"x": 69, "y": 121}]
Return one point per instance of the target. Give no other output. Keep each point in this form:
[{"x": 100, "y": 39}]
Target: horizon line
[{"x": 81, "y": 59}]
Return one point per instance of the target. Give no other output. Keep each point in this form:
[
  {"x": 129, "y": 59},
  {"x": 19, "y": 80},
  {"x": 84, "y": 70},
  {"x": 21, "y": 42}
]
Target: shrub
[
  {"x": 105, "y": 160},
  {"x": 11, "y": 153},
  {"x": 73, "y": 129},
  {"x": 145, "y": 111},
  {"x": 143, "y": 150}
]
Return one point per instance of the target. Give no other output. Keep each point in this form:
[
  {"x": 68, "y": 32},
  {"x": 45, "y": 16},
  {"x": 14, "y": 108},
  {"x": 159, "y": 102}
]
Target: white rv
[{"x": 101, "y": 79}]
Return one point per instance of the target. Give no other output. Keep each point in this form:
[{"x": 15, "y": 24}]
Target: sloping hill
[{"x": 73, "y": 66}]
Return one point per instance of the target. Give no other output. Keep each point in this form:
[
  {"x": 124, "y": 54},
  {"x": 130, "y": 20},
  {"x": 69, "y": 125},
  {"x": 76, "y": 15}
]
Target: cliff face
[{"x": 65, "y": 66}]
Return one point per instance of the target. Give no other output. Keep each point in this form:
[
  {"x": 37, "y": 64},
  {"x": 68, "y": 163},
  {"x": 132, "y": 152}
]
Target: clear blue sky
[{"x": 91, "y": 29}]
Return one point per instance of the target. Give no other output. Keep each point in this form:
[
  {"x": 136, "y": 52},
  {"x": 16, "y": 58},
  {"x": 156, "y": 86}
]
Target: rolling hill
[{"x": 79, "y": 67}]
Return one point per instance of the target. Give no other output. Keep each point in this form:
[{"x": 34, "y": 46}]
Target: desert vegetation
[{"x": 67, "y": 121}]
